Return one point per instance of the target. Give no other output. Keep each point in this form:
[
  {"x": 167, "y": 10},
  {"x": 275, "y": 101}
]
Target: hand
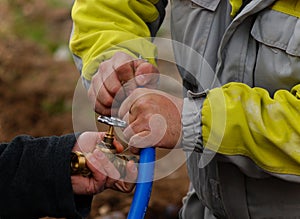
[
  {"x": 104, "y": 173},
  {"x": 154, "y": 119},
  {"x": 112, "y": 75}
]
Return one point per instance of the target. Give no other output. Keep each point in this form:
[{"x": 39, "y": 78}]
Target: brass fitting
[
  {"x": 107, "y": 147},
  {"x": 78, "y": 164},
  {"x": 78, "y": 160},
  {"x": 108, "y": 140}
]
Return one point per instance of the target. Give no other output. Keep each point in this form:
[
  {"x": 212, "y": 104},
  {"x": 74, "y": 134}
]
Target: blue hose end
[{"x": 144, "y": 184}]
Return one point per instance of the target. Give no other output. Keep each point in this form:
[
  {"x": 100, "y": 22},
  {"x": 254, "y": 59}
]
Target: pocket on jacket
[
  {"x": 278, "y": 62},
  {"x": 210, "y": 5},
  {"x": 278, "y": 30}
]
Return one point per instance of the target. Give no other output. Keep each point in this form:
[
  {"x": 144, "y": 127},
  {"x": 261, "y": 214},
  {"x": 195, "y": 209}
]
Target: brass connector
[
  {"x": 108, "y": 139},
  {"x": 78, "y": 160},
  {"x": 78, "y": 164}
]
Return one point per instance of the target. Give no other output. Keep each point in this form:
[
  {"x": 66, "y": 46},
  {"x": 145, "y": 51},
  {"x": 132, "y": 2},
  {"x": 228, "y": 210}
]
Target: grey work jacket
[{"x": 259, "y": 47}]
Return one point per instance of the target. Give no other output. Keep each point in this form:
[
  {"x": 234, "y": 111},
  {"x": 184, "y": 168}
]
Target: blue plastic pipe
[{"x": 144, "y": 184}]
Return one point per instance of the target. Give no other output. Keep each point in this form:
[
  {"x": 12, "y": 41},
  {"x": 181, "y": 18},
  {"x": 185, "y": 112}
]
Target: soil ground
[{"x": 37, "y": 83}]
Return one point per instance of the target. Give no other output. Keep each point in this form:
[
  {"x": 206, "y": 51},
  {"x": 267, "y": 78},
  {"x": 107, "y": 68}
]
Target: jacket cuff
[{"x": 191, "y": 121}]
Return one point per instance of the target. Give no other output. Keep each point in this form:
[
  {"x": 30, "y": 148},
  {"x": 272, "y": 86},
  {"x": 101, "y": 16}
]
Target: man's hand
[
  {"x": 121, "y": 71},
  {"x": 104, "y": 173},
  {"x": 154, "y": 119}
]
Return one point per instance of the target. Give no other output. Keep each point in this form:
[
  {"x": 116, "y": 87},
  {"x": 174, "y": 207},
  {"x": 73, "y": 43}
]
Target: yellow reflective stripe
[
  {"x": 290, "y": 7},
  {"x": 235, "y": 6}
]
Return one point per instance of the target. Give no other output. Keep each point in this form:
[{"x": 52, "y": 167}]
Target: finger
[
  {"x": 129, "y": 87},
  {"x": 102, "y": 109},
  {"x": 127, "y": 184},
  {"x": 93, "y": 165},
  {"x": 106, "y": 76},
  {"x": 128, "y": 132},
  {"x": 117, "y": 89},
  {"x": 107, "y": 79},
  {"x": 125, "y": 71},
  {"x": 119, "y": 147},
  {"x": 110, "y": 182},
  {"x": 149, "y": 80},
  {"x": 88, "y": 185},
  {"x": 99, "y": 162},
  {"x": 125, "y": 75},
  {"x": 112, "y": 83},
  {"x": 146, "y": 73},
  {"x": 81, "y": 184},
  {"x": 86, "y": 142},
  {"x": 108, "y": 167},
  {"x": 106, "y": 104},
  {"x": 99, "y": 96},
  {"x": 104, "y": 96},
  {"x": 123, "y": 186},
  {"x": 135, "y": 127},
  {"x": 129, "y": 101},
  {"x": 149, "y": 136},
  {"x": 141, "y": 140},
  {"x": 131, "y": 172}
]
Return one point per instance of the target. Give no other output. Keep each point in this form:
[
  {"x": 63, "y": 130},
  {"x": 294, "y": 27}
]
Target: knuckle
[
  {"x": 114, "y": 88},
  {"x": 107, "y": 101}
]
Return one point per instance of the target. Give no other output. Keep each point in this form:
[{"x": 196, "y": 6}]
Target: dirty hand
[
  {"x": 154, "y": 119},
  {"x": 112, "y": 75},
  {"x": 104, "y": 173}
]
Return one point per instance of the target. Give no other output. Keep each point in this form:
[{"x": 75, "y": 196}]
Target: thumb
[{"x": 151, "y": 137}]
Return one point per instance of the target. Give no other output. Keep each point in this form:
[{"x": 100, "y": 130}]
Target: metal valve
[
  {"x": 78, "y": 161},
  {"x": 109, "y": 135}
]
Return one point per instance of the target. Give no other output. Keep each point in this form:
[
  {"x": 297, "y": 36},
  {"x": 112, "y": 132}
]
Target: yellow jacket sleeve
[
  {"x": 244, "y": 121},
  {"x": 101, "y": 27}
]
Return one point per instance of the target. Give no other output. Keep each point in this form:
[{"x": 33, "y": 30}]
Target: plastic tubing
[{"x": 144, "y": 184}]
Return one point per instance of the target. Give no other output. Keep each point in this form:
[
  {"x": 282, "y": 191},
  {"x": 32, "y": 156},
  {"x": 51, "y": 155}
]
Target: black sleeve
[{"x": 35, "y": 177}]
